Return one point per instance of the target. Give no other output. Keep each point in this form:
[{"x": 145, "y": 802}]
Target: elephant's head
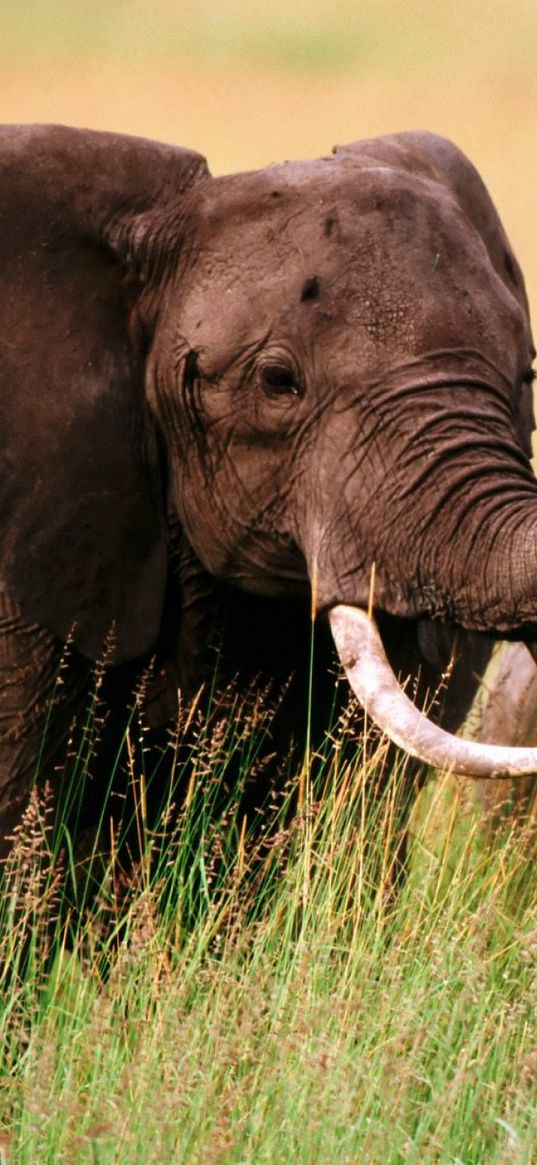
[
  {"x": 337, "y": 367},
  {"x": 338, "y": 357}
]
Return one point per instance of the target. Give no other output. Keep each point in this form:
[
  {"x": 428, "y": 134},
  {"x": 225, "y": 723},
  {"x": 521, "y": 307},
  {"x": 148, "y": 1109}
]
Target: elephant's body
[{"x": 217, "y": 395}]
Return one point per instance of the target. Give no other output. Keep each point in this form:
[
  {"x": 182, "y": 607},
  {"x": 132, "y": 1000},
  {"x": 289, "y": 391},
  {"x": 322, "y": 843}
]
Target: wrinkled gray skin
[{"x": 267, "y": 380}]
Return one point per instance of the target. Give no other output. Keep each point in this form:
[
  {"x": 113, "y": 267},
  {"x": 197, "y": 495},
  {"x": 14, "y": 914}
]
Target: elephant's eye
[{"x": 279, "y": 380}]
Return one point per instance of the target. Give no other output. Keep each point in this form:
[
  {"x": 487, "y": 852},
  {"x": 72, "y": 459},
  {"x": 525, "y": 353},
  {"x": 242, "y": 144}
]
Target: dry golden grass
[{"x": 268, "y": 999}]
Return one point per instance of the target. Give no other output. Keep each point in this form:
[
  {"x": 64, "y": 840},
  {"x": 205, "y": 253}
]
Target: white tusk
[{"x": 374, "y": 684}]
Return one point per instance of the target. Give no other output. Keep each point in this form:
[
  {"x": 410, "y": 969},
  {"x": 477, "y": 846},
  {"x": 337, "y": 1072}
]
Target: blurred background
[{"x": 253, "y": 81}]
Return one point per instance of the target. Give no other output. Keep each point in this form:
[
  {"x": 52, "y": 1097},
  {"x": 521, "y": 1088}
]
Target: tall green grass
[{"x": 253, "y": 996}]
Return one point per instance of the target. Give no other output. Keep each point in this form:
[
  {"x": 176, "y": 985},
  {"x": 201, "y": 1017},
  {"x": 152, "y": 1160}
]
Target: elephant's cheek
[{"x": 204, "y": 531}]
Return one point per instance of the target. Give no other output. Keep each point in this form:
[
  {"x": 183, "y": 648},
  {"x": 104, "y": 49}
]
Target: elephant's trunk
[{"x": 372, "y": 680}]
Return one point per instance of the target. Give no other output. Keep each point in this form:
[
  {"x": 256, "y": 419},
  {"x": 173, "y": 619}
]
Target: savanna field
[{"x": 254, "y": 990}]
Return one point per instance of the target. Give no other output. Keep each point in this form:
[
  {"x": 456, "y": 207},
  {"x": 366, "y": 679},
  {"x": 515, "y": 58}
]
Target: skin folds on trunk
[
  {"x": 373, "y": 682},
  {"x": 449, "y": 518}
]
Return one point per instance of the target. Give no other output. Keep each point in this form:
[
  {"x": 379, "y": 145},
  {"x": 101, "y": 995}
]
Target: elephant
[{"x": 304, "y": 389}]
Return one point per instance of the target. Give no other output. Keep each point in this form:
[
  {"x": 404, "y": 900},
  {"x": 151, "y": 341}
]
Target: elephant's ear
[{"x": 83, "y": 222}]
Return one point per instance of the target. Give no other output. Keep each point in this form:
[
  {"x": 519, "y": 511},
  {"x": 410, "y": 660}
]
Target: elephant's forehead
[
  {"x": 358, "y": 222},
  {"x": 365, "y": 232},
  {"x": 393, "y": 256},
  {"x": 283, "y": 197}
]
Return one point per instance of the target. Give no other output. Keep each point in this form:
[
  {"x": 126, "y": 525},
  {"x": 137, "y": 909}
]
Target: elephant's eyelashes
[{"x": 279, "y": 380}]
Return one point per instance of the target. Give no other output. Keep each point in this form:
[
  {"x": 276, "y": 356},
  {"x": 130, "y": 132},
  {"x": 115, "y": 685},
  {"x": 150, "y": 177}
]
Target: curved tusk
[
  {"x": 374, "y": 684},
  {"x": 532, "y": 648}
]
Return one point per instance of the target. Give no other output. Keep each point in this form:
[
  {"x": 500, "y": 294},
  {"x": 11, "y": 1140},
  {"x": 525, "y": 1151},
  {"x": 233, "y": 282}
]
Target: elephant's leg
[
  {"x": 185, "y": 652},
  {"x": 29, "y": 660}
]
